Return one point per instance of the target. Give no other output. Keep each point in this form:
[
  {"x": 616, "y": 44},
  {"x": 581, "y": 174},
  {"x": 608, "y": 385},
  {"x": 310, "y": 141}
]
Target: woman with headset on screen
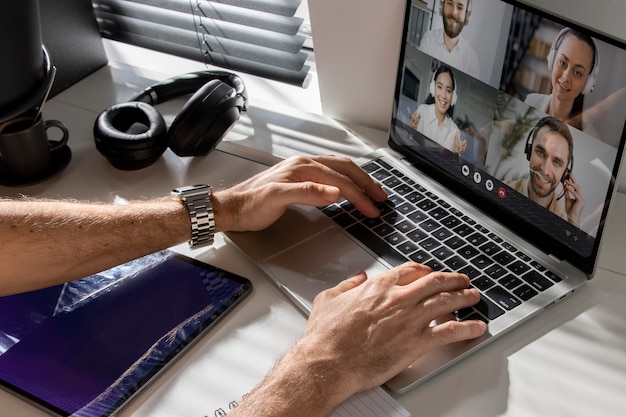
[
  {"x": 434, "y": 117},
  {"x": 573, "y": 62}
]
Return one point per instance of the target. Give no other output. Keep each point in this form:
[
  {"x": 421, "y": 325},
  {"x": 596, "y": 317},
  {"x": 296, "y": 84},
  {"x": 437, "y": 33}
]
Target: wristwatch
[{"x": 197, "y": 199}]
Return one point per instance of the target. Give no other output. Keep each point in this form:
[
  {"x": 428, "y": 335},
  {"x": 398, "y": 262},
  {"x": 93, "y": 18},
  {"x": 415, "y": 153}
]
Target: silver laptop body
[{"x": 310, "y": 249}]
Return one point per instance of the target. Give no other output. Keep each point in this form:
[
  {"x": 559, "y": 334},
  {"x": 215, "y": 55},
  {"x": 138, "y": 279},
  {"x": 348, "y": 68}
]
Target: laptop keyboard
[{"x": 416, "y": 225}]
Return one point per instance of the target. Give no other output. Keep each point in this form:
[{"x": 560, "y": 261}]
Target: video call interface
[{"x": 529, "y": 111}]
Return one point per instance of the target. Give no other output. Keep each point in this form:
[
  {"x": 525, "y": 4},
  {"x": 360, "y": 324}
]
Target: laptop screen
[{"x": 519, "y": 112}]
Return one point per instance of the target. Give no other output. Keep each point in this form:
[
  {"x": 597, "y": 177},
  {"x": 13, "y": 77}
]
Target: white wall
[{"x": 358, "y": 41}]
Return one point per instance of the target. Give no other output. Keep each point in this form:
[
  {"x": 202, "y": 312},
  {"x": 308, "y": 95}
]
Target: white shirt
[
  {"x": 542, "y": 101},
  {"x": 443, "y": 134},
  {"x": 462, "y": 56}
]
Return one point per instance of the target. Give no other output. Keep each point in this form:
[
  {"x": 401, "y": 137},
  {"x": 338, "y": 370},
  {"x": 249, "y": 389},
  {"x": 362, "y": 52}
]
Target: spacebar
[{"x": 379, "y": 246}]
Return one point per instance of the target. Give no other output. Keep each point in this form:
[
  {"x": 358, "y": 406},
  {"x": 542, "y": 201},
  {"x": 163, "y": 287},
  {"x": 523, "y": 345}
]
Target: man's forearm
[
  {"x": 44, "y": 243},
  {"x": 301, "y": 384}
]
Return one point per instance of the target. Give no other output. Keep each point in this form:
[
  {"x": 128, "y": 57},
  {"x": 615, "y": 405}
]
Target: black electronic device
[
  {"x": 134, "y": 135},
  {"x": 87, "y": 347}
]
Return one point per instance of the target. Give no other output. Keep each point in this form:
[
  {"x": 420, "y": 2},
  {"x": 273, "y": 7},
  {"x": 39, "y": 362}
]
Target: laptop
[{"x": 458, "y": 200}]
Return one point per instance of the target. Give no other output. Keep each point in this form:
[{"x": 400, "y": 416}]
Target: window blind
[{"x": 258, "y": 37}]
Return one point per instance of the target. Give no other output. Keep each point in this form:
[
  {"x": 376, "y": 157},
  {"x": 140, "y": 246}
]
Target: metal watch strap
[{"x": 197, "y": 199}]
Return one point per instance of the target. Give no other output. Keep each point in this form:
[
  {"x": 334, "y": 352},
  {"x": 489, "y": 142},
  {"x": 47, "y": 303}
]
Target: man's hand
[
  {"x": 369, "y": 329},
  {"x": 574, "y": 200},
  {"x": 361, "y": 333},
  {"x": 256, "y": 203}
]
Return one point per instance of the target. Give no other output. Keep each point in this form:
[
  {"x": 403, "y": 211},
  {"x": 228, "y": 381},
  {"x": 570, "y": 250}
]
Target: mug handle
[{"x": 57, "y": 144}]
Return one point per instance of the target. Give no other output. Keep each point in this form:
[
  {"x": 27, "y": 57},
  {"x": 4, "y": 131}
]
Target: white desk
[{"x": 570, "y": 362}]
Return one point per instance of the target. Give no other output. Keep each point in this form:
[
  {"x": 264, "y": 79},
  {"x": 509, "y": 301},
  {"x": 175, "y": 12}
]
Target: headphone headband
[{"x": 189, "y": 83}]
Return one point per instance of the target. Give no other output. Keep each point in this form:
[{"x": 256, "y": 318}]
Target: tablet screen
[{"x": 86, "y": 347}]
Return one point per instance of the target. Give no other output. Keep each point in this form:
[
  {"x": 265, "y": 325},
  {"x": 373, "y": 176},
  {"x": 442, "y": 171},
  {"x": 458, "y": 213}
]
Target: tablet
[{"x": 85, "y": 348}]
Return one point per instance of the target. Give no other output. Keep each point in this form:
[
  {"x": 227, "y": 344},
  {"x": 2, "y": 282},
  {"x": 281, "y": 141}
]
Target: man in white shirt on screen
[{"x": 446, "y": 44}]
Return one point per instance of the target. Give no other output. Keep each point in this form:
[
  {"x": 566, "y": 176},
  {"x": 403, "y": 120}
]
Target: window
[{"x": 260, "y": 37}]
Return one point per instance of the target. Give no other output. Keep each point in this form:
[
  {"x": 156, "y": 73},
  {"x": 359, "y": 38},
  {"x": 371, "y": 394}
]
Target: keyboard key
[
  {"x": 332, "y": 210},
  {"x": 395, "y": 238},
  {"x": 371, "y": 223},
  {"x": 414, "y": 197},
  {"x": 455, "y": 263},
  {"x": 538, "y": 281},
  {"x": 426, "y": 204},
  {"x": 429, "y": 225},
  {"x": 405, "y": 208},
  {"x": 476, "y": 239},
  {"x": 370, "y": 167},
  {"x": 554, "y": 277},
  {"x": 495, "y": 271},
  {"x": 490, "y": 248},
  {"x": 403, "y": 189},
  {"x": 376, "y": 244},
  {"x": 420, "y": 256},
  {"x": 435, "y": 265},
  {"x": 438, "y": 213},
  {"x": 405, "y": 226},
  {"x": 416, "y": 235},
  {"x": 383, "y": 230},
  {"x": 442, "y": 233},
  {"x": 482, "y": 261},
  {"x": 518, "y": 268},
  {"x": 468, "y": 252},
  {"x": 470, "y": 271},
  {"x": 417, "y": 216},
  {"x": 442, "y": 253},
  {"x": 463, "y": 230},
  {"x": 407, "y": 247},
  {"x": 483, "y": 282},
  {"x": 524, "y": 292},
  {"x": 450, "y": 222},
  {"x": 454, "y": 242},
  {"x": 503, "y": 298},
  {"x": 429, "y": 244},
  {"x": 488, "y": 308},
  {"x": 510, "y": 281},
  {"x": 504, "y": 258},
  {"x": 391, "y": 182},
  {"x": 344, "y": 220}
]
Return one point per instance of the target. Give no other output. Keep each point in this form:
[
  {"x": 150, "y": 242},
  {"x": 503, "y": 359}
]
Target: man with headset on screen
[
  {"x": 359, "y": 334},
  {"x": 446, "y": 44},
  {"x": 550, "y": 152}
]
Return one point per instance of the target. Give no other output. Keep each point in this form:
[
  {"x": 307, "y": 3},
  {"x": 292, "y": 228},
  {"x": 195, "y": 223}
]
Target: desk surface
[{"x": 571, "y": 361}]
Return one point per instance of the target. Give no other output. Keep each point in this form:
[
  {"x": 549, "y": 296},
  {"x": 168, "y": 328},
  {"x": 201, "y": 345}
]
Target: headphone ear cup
[
  {"x": 529, "y": 144},
  {"x": 550, "y": 58},
  {"x": 589, "y": 84},
  {"x": 206, "y": 117},
  {"x": 130, "y": 135}
]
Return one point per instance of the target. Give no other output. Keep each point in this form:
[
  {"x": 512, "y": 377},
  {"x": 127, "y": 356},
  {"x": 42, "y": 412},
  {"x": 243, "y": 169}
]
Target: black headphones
[
  {"x": 134, "y": 135},
  {"x": 549, "y": 121}
]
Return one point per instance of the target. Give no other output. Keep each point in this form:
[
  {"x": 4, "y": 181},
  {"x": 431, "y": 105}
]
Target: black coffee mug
[{"x": 25, "y": 150}]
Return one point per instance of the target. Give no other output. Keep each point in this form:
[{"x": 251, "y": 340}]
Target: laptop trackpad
[{"x": 318, "y": 263}]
